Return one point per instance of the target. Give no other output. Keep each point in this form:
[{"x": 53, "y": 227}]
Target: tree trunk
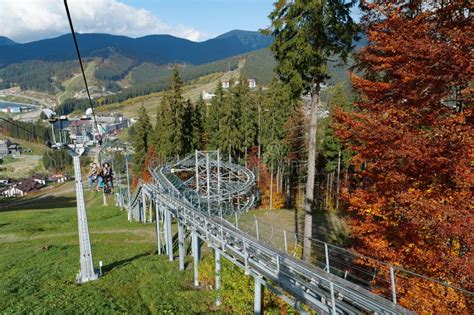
[
  {"x": 326, "y": 201},
  {"x": 271, "y": 188},
  {"x": 309, "y": 199},
  {"x": 331, "y": 185},
  {"x": 338, "y": 179}
]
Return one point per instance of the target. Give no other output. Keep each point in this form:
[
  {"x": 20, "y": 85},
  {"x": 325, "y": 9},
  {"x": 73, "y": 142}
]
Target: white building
[
  {"x": 225, "y": 84},
  {"x": 13, "y": 192},
  {"x": 252, "y": 83},
  {"x": 207, "y": 96}
]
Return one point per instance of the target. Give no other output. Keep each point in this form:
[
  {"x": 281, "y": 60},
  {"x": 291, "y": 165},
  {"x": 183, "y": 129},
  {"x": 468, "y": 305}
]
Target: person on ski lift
[
  {"x": 94, "y": 176},
  {"x": 107, "y": 176}
]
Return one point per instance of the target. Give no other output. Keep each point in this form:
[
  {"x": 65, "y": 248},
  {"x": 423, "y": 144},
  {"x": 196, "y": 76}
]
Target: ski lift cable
[
  {"x": 19, "y": 127},
  {"x": 82, "y": 67}
]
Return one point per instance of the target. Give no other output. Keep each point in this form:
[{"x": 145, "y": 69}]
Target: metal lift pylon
[{"x": 87, "y": 272}]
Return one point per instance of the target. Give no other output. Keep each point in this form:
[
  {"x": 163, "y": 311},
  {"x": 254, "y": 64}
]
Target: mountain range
[{"x": 158, "y": 49}]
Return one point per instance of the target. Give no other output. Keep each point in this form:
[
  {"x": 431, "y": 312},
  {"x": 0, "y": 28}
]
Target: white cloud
[{"x": 28, "y": 20}]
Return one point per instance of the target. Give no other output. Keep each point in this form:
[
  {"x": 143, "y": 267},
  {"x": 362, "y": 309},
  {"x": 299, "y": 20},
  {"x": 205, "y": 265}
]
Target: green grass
[
  {"x": 39, "y": 261},
  {"x": 16, "y": 98},
  {"x": 76, "y": 83}
]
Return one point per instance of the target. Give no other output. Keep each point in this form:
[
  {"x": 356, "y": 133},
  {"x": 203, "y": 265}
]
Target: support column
[
  {"x": 258, "y": 290},
  {"x": 143, "y": 215},
  {"x": 169, "y": 234},
  {"x": 150, "y": 210},
  {"x": 158, "y": 228},
  {"x": 87, "y": 272},
  {"x": 181, "y": 245},
  {"x": 195, "y": 248},
  {"x": 218, "y": 277},
  {"x": 129, "y": 211}
]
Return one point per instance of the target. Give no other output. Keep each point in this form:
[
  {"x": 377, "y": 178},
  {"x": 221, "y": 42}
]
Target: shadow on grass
[
  {"x": 39, "y": 203},
  {"x": 123, "y": 262},
  {"x": 329, "y": 227}
]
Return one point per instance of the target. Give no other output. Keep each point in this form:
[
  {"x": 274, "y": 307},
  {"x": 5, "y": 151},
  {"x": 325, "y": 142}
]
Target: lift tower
[{"x": 87, "y": 272}]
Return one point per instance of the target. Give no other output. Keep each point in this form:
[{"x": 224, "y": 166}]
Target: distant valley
[{"x": 119, "y": 68}]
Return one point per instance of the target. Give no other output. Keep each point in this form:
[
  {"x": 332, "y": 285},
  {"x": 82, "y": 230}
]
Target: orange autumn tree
[{"x": 409, "y": 200}]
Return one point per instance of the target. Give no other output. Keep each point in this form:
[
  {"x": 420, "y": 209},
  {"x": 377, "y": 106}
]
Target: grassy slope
[
  {"x": 192, "y": 91},
  {"x": 27, "y": 163},
  {"x": 39, "y": 260},
  {"x": 76, "y": 83}
]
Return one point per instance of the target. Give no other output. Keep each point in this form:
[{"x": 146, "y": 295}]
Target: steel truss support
[
  {"x": 169, "y": 234},
  {"x": 187, "y": 196},
  {"x": 195, "y": 248},
  {"x": 158, "y": 227},
  {"x": 87, "y": 272},
  {"x": 181, "y": 248},
  {"x": 218, "y": 276},
  {"x": 150, "y": 210},
  {"x": 258, "y": 291},
  {"x": 143, "y": 209}
]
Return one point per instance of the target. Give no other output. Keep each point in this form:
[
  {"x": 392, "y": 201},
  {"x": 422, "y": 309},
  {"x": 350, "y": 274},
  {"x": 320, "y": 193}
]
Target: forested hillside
[
  {"x": 42, "y": 76},
  {"x": 161, "y": 49}
]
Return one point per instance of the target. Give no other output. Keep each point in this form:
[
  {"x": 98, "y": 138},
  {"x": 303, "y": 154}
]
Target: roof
[{"x": 28, "y": 185}]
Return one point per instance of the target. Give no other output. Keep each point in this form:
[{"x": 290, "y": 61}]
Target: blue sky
[
  {"x": 197, "y": 20},
  {"x": 211, "y": 17}
]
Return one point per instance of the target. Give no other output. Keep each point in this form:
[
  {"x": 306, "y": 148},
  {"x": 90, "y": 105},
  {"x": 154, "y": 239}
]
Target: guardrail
[{"x": 322, "y": 287}]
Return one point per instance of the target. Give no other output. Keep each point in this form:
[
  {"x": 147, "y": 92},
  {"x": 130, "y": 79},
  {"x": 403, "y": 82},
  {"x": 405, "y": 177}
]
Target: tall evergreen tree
[
  {"x": 230, "y": 137},
  {"x": 275, "y": 112},
  {"x": 141, "y": 139},
  {"x": 164, "y": 129},
  {"x": 212, "y": 119},
  {"x": 196, "y": 139},
  {"x": 172, "y": 132},
  {"x": 249, "y": 122},
  {"x": 178, "y": 109},
  {"x": 307, "y": 33}
]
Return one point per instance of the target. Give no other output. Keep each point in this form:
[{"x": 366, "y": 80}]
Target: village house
[
  {"x": 207, "y": 96},
  {"x": 4, "y": 143},
  {"x": 251, "y": 83},
  {"x": 58, "y": 178},
  {"x": 26, "y": 186}
]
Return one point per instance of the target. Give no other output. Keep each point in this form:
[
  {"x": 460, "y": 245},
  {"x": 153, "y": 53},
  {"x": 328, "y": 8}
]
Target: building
[
  {"x": 207, "y": 96},
  {"x": 252, "y": 83},
  {"x": 9, "y": 148},
  {"x": 24, "y": 187},
  {"x": 84, "y": 130},
  {"x": 4, "y": 144},
  {"x": 14, "y": 149},
  {"x": 12, "y": 192},
  {"x": 58, "y": 178},
  {"x": 225, "y": 84}
]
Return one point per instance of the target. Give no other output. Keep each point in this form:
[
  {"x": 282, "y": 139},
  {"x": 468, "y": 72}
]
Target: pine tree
[
  {"x": 172, "y": 132},
  {"x": 249, "y": 122},
  {"x": 307, "y": 33},
  {"x": 212, "y": 119},
  {"x": 178, "y": 109},
  {"x": 163, "y": 138},
  {"x": 141, "y": 139},
  {"x": 275, "y": 112},
  {"x": 196, "y": 132},
  {"x": 230, "y": 137}
]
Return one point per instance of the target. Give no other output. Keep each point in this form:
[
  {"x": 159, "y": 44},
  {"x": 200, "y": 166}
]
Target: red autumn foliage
[
  {"x": 410, "y": 199},
  {"x": 264, "y": 184},
  {"x": 144, "y": 175}
]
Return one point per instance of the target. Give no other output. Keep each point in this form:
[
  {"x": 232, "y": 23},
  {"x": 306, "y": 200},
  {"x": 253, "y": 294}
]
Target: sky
[{"x": 197, "y": 20}]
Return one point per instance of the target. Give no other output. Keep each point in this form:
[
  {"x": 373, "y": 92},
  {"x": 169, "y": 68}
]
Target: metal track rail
[{"x": 172, "y": 197}]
